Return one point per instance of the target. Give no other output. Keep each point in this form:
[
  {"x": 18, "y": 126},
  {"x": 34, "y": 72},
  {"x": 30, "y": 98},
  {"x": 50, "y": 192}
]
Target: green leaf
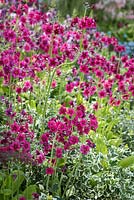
[
  {"x": 18, "y": 181},
  {"x": 83, "y": 138},
  {"x": 7, "y": 192},
  {"x": 109, "y": 135},
  {"x": 5, "y": 89},
  {"x": 11, "y": 185},
  {"x": 100, "y": 146},
  {"x": 93, "y": 182},
  {"x": 7, "y": 184},
  {"x": 29, "y": 191},
  {"x": 126, "y": 162},
  {"x": 1, "y": 178},
  {"x": 25, "y": 96},
  {"x": 55, "y": 187},
  {"x": 70, "y": 191},
  {"x": 104, "y": 163},
  {"x": 2, "y": 197},
  {"x": 79, "y": 99},
  {"x": 41, "y": 74},
  {"x": 61, "y": 162},
  {"x": 39, "y": 109},
  {"x": 32, "y": 104},
  {"x": 49, "y": 197},
  {"x": 115, "y": 142},
  {"x": 67, "y": 100}
]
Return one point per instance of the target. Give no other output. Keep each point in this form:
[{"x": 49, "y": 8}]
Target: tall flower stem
[
  {"x": 50, "y": 83},
  {"x": 73, "y": 180},
  {"x": 52, "y": 150},
  {"x": 60, "y": 183},
  {"x": 73, "y": 171}
]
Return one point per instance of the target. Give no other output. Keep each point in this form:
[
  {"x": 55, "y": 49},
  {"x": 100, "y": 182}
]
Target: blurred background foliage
[{"x": 113, "y": 16}]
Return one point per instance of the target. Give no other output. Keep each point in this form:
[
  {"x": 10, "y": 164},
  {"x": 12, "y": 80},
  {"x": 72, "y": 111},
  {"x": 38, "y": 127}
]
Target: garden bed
[{"x": 65, "y": 98}]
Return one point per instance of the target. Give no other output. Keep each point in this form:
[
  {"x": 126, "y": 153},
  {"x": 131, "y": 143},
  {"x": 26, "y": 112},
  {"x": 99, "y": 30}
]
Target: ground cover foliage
[{"x": 66, "y": 104}]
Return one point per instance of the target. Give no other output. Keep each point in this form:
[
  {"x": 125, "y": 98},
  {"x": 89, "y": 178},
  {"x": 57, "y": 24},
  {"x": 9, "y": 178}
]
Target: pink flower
[
  {"x": 47, "y": 148},
  {"x": 84, "y": 149},
  {"x": 27, "y": 47},
  {"x": 35, "y": 196},
  {"x": 52, "y": 125},
  {"x": 99, "y": 73},
  {"x": 69, "y": 87},
  {"x": 47, "y": 28},
  {"x": 21, "y": 137},
  {"x": 80, "y": 111},
  {"x": 15, "y": 146},
  {"x": 86, "y": 22},
  {"x": 26, "y": 146},
  {"x": 44, "y": 138},
  {"x": 70, "y": 112},
  {"x": 15, "y": 127},
  {"x": 73, "y": 140},
  {"x": 59, "y": 152},
  {"x": 16, "y": 73},
  {"x": 10, "y": 35},
  {"x": 102, "y": 93},
  {"x": 58, "y": 72},
  {"x": 49, "y": 171},
  {"x": 84, "y": 69},
  {"x": 53, "y": 62},
  {"x": 92, "y": 90},
  {"x": 117, "y": 103},
  {"x": 40, "y": 158},
  {"x": 95, "y": 106},
  {"x": 27, "y": 86},
  {"x": 54, "y": 84},
  {"x": 93, "y": 122},
  {"x": 22, "y": 198},
  {"x": 86, "y": 92},
  {"x": 62, "y": 110},
  {"x": 120, "y": 48},
  {"x": 90, "y": 143},
  {"x": 58, "y": 29},
  {"x": 18, "y": 90},
  {"x": 83, "y": 122}
]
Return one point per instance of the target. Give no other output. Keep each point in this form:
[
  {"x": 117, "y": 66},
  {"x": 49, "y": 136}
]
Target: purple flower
[
  {"x": 22, "y": 198},
  {"x": 84, "y": 149}
]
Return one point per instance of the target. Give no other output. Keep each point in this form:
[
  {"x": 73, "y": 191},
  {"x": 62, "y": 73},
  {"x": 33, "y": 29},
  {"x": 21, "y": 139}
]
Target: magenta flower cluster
[{"x": 35, "y": 43}]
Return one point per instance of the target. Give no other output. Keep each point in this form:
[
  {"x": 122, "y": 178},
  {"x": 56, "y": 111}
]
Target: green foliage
[
  {"x": 72, "y": 8},
  {"x": 126, "y": 162},
  {"x": 11, "y": 186},
  {"x": 120, "y": 27},
  {"x": 99, "y": 177}
]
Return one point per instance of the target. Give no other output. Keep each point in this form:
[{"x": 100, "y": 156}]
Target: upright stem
[
  {"x": 50, "y": 79},
  {"x": 47, "y": 183},
  {"x": 51, "y": 160},
  {"x": 18, "y": 181},
  {"x": 50, "y": 82},
  {"x": 60, "y": 183},
  {"x": 9, "y": 93},
  {"x": 75, "y": 168}
]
